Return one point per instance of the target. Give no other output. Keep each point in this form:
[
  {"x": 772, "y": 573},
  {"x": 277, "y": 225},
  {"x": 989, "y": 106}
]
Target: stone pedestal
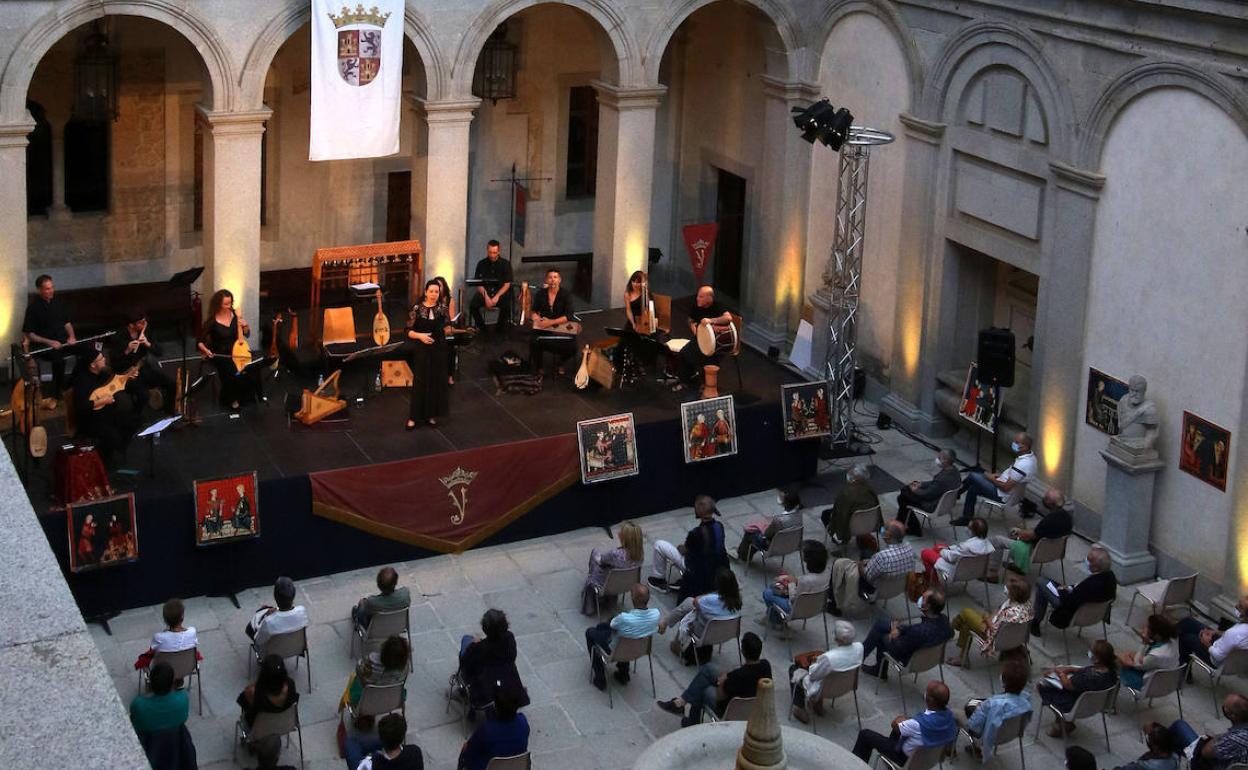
[{"x": 1127, "y": 518}]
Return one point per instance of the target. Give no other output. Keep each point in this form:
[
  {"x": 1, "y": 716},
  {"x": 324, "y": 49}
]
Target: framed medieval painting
[
  {"x": 608, "y": 448},
  {"x": 1103, "y": 393},
  {"x": 980, "y": 402},
  {"x": 102, "y": 533},
  {"x": 226, "y": 509},
  {"x": 709, "y": 428},
  {"x": 804, "y": 409},
  {"x": 1205, "y": 450}
]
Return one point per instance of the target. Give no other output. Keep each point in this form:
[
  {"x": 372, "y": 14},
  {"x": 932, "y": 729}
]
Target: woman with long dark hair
[
  {"x": 446, "y": 301},
  {"x": 630, "y": 340},
  {"x": 427, "y": 339},
  {"x": 216, "y": 343}
]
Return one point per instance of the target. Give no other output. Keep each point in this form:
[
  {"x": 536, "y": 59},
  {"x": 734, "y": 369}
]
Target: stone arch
[
  {"x": 294, "y": 16},
  {"x": 889, "y": 17},
  {"x": 15, "y": 81},
  {"x": 603, "y": 12},
  {"x": 1139, "y": 80},
  {"x": 982, "y": 45},
  {"x": 787, "y": 27}
]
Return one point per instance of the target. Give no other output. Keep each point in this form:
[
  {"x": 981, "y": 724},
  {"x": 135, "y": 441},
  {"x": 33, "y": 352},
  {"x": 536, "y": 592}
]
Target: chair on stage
[{"x": 338, "y": 336}]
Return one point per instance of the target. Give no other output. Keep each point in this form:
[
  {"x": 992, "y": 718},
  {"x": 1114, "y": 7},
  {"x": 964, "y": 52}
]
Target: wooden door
[
  {"x": 399, "y": 206},
  {"x": 730, "y": 244}
]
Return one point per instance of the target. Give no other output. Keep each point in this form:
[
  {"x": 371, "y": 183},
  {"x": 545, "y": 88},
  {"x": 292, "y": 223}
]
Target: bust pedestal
[{"x": 1127, "y": 520}]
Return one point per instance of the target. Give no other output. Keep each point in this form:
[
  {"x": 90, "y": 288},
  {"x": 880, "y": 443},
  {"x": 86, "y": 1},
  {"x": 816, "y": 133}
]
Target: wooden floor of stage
[{"x": 264, "y": 439}]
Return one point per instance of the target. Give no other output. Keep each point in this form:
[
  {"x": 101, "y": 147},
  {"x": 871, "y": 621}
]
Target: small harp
[{"x": 322, "y": 402}]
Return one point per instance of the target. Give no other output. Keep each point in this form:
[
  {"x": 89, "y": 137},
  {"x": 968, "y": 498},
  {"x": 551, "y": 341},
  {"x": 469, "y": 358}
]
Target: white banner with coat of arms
[{"x": 357, "y": 74}]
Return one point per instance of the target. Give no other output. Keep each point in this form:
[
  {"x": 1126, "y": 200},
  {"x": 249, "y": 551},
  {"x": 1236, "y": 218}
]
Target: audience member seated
[
  {"x": 629, "y": 554},
  {"x": 850, "y": 577},
  {"x": 505, "y": 733},
  {"x": 1015, "y": 609},
  {"x": 282, "y": 619},
  {"x": 1209, "y": 644},
  {"x": 386, "y": 666},
  {"x": 779, "y": 596},
  {"x": 977, "y": 484},
  {"x": 1101, "y": 585},
  {"x": 389, "y": 598},
  {"x": 924, "y": 495},
  {"x": 1079, "y": 758},
  {"x": 940, "y": 560},
  {"x": 901, "y": 641},
  {"x": 272, "y": 693},
  {"x": 638, "y": 623},
  {"x": 1062, "y": 685},
  {"x": 1160, "y": 754},
  {"x": 759, "y": 533},
  {"x": 934, "y": 727},
  {"x": 856, "y": 496},
  {"x": 711, "y": 687},
  {"x": 175, "y": 637},
  {"x": 807, "y": 684},
  {"x": 984, "y": 716},
  {"x": 487, "y": 665},
  {"x": 691, "y": 616},
  {"x": 164, "y": 707},
  {"x": 1055, "y": 523},
  {"x": 268, "y": 752},
  {"x": 394, "y": 754},
  {"x": 1158, "y": 649},
  {"x": 1215, "y": 752},
  {"x": 697, "y": 558}
]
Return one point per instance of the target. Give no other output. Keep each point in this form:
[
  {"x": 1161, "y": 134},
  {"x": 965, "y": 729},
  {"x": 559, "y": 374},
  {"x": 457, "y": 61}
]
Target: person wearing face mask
[
  {"x": 857, "y": 495},
  {"x": 1158, "y": 650},
  {"x": 982, "y": 717},
  {"x": 925, "y": 494},
  {"x": 1214, "y": 752},
  {"x": 758, "y": 533},
  {"x": 1101, "y": 585},
  {"x": 1064, "y": 684},
  {"x": 899, "y": 641},
  {"x": 971, "y": 623},
  {"x": 1055, "y": 523},
  {"x": 1209, "y": 644},
  {"x": 1021, "y": 471}
]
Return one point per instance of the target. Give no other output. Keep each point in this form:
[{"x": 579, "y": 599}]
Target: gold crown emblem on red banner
[
  {"x": 372, "y": 16},
  {"x": 459, "y": 476}
]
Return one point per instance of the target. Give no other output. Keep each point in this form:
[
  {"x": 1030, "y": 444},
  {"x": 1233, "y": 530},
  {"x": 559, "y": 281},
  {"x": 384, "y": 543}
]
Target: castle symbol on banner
[{"x": 359, "y": 43}]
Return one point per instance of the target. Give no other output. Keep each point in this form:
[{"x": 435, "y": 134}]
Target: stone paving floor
[{"x": 537, "y": 582}]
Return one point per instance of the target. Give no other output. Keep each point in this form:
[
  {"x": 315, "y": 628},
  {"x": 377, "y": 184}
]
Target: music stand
[
  {"x": 152, "y": 434},
  {"x": 368, "y": 355},
  {"x": 185, "y": 278}
]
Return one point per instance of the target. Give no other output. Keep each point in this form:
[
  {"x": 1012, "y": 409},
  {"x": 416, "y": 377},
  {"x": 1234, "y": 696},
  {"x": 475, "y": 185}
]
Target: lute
[
  {"x": 381, "y": 324},
  {"x": 582, "y": 375},
  {"x": 241, "y": 353},
  {"x": 99, "y": 396}
]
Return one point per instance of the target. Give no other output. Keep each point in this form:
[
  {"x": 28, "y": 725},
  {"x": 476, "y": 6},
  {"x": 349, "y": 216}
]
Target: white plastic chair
[
  {"x": 944, "y": 508},
  {"x": 292, "y": 644},
  {"x": 1087, "y": 615},
  {"x": 516, "y": 762},
  {"x": 1163, "y": 595},
  {"x": 377, "y": 700},
  {"x": 1047, "y": 550},
  {"x": 737, "y": 710},
  {"x": 1011, "y": 729},
  {"x": 1235, "y": 664},
  {"x": 269, "y": 724},
  {"x": 1009, "y": 507},
  {"x": 185, "y": 664},
  {"x": 1010, "y": 636},
  {"x": 890, "y": 588},
  {"x": 718, "y": 631},
  {"x": 626, "y": 651},
  {"x": 785, "y": 542},
  {"x": 804, "y": 607},
  {"x": 1089, "y": 703},
  {"x": 617, "y": 583},
  {"x": 922, "y": 759},
  {"x": 381, "y": 626},
  {"x": 965, "y": 570},
  {"x": 922, "y": 659},
  {"x": 833, "y": 686},
  {"x": 1159, "y": 683}
]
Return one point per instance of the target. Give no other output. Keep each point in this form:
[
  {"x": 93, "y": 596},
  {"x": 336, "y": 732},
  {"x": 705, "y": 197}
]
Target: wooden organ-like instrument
[{"x": 397, "y": 267}]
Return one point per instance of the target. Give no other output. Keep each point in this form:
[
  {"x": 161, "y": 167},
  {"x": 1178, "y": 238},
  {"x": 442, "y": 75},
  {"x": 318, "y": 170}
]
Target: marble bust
[{"x": 1137, "y": 422}]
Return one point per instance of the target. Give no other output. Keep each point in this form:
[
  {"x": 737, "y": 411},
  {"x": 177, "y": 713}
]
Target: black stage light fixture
[
  {"x": 824, "y": 123},
  {"x": 838, "y": 129}
]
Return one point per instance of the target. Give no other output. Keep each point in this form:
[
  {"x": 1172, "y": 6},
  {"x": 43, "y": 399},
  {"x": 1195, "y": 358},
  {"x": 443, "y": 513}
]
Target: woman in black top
[
  {"x": 273, "y": 692},
  {"x": 1100, "y": 675},
  {"x": 427, "y": 339},
  {"x": 447, "y": 304},
  {"x": 218, "y": 338},
  {"x": 631, "y": 338},
  {"x": 488, "y": 663}
]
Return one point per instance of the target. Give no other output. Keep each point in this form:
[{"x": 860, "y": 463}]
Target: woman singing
[
  {"x": 425, "y": 324},
  {"x": 217, "y": 343}
]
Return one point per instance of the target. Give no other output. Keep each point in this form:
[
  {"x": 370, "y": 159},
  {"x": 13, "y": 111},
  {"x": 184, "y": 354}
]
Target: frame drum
[{"x": 717, "y": 340}]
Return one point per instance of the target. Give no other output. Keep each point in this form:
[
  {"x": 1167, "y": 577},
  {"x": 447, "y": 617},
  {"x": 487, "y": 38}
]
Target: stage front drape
[{"x": 448, "y": 502}]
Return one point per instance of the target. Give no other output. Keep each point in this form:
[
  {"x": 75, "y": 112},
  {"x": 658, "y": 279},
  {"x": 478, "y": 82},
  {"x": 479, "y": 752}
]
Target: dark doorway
[
  {"x": 399, "y": 206},
  {"x": 87, "y": 164},
  {"x": 38, "y": 163},
  {"x": 730, "y": 244}
]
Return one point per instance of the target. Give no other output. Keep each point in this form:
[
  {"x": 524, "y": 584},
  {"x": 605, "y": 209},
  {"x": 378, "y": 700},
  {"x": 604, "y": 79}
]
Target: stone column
[
  {"x": 232, "y": 207},
  {"x": 13, "y": 253},
  {"x": 1235, "y": 573},
  {"x": 912, "y": 373},
  {"x": 773, "y": 288},
  {"x": 626, "y": 122},
  {"x": 440, "y": 186},
  {"x": 1058, "y": 378},
  {"x": 1127, "y": 518},
  {"x": 58, "y": 211}
]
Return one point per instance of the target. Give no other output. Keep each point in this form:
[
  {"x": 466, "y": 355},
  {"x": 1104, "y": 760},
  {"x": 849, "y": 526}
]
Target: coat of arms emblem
[{"x": 359, "y": 43}]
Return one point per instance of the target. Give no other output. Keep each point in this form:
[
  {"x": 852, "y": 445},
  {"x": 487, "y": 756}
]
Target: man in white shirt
[
  {"x": 1021, "y": 471},
  {"x": 1210, "y": 645},
  {"x": 808, "y": 685},
  {"x": 282, "y": 619}
]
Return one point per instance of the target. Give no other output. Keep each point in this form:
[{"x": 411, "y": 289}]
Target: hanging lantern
[
  {"x": 95, "y": 79},
  {"x": 495, "y": 76}
]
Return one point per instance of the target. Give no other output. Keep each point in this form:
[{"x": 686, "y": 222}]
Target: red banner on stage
[
  {"x": 448, "y": 502},
  {"x": 700, "y": 243}
]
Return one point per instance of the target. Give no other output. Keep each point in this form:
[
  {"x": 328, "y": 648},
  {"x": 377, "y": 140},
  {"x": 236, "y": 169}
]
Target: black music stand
[
  {"x": 152, "y": 434},
  {"x": 185, "y": 278},
  {"x": 368, "y": 355}
]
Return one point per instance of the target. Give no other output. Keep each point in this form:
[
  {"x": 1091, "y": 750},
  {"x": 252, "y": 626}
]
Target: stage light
[{"x": 824, "y": 123}]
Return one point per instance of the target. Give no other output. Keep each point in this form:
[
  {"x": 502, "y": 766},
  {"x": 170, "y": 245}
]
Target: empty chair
[
  {"x": 293, "y": 644},
  {"x": 1087, "y": 615},
  {"x": 924, "y": 758},
  {"x": 267, "y": 724},
  {"x": 517, "y": 762},
  {"x": 944, "y": 508},
  {"x": 785, "y": 542},
  {"x": 1235, "y": 664},
  {"x": 970, "y": 568},
  {"x": 617, "y": 583},
  {"x": 718, "y": 631},
  {"x": 1159, "y": 683},
  {"x": 922, "y": 659},
  {"x": 381, "y": 626},
  {"x": 835, "y": 685},
  {"x": 1010, "y": 730},
  {"x": 804, "y": 607},
  {"x": 737, "y": 710},
  {"x": 185, "y": 664},
  {"x": 1090, "y": 703},
  {"x": 626, "y": 651},
  {"x": 1165, "y": 594}
]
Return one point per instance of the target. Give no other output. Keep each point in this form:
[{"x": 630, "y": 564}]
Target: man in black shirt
[
  {"x": 551, "y": 306},
  {"x": 691, "y": 359},
  {"x": 46, "y": 325},
  {"x": 1101, "y": 585},
  {"x": 130, "y": 346},
  {"x": 394, "y": 754},
  {"x": 698, "y": 558},
  {"x": 1056, "y": 522},
  {"x": 496, "y": 292},
  {"x": 710, "y": 686},
  {"x": 112, "y": 425}
]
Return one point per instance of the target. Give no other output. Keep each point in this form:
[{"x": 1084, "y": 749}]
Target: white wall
[
  {"x": 1169, "y": 271},
  {"x": 863, "y": 68}
]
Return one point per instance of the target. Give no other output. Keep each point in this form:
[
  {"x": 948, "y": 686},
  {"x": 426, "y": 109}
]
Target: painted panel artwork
[
  {"x": 980, "y": 404},
  {"x": 1102, "y": 408},
  {"x": 608, "y": 448},
  {"x": 804, "y": 407},
  {"x": 710, "y": 428},
  {"x": 1206, "y": 450},
  {"x": 226, "y": 509},
  {"x": 102, "y": 533}
]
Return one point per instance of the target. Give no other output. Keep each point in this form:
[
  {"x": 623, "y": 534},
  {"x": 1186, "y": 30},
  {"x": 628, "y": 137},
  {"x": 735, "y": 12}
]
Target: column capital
[
  {"x": 1078, "y": 180},
  {"x": 15, "y": 134},
  {"x": 624, "y": 98},
  {"x": 796, "y": 91},
  {"x": 445, "y": 111},
  {"x": 242, "y": 123},
  {"x": 923, "y": 130}
]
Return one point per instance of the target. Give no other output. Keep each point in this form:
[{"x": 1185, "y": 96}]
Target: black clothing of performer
[
  {"x": 111, "y": 426},
  {"x": 48, "y": 320},
  {"x": 235, "y": 386},
  {"x": 691, "y": 359},
  {"x": 564, "y": 346},
  {"x": 150, "y": 374},
  {"x": 631, "y": 339},
  {"x": 430, "y": 391},
  {"x": 495, "y": 273}
]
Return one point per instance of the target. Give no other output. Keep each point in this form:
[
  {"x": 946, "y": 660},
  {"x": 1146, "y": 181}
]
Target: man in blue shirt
[
  {"x": 504, "y": 733},
  {"x": 983, "y": 720},
  {"x": 638, "y": 623},
  {"x": 901, "y": 641},
  {"x": 934, "y": 727}
]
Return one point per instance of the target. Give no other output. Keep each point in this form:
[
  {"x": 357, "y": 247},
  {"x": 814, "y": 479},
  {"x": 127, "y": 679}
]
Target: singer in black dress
[{"x": 429, "y": 360}]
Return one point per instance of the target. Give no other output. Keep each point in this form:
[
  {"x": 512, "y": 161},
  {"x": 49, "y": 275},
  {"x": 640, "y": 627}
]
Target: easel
[{"x": 511, "y": 203}]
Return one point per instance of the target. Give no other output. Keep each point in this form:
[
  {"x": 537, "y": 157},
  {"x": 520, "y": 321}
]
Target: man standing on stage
[
  {"x": 47, "y": 325},
  {"x": 495, "y": 292}
]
